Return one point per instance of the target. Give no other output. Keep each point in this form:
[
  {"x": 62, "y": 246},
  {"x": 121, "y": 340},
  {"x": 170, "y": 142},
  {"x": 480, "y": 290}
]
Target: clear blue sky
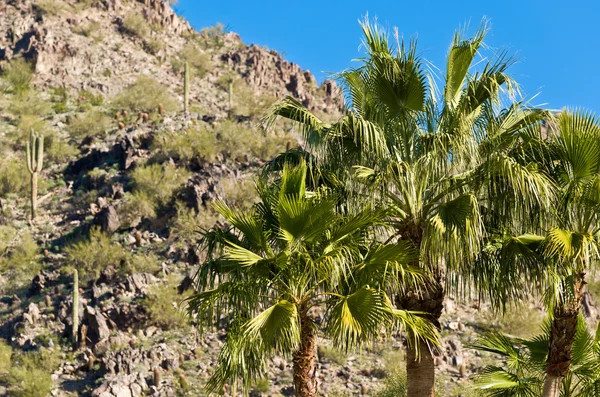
[{"x": 557, "y": 42}]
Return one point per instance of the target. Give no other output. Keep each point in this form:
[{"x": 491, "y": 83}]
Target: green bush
[
  {"x": 143, "y": 263},
  {"x": 145, "y": 95},
  {"x": 135, "y": 25},
  {"x": 158, "y": 181},
  {"x": 5, "y": 354},
  {"x": 95, "y": 254},
  {"x": 164, "y": 305},
  {"x": 49, "y": 7},
  {"x": 395, "y": 386},
  {"x": 154, "y": 45},
  {"x": 18, "y": 257},
  {"x": 17, "y": 76},
  {"x": 137, "y": 205},
  {"x": 206, "y": 143},
  {"x": 198, "y": 61},
  {"x": 29, "y": 382},
  {"x": 29, "y": 103},
  {"x": 185, "y": 227},
  {"x": 238, "y": 192},
  {"x": 89, "y": 124},
  {"x": 14, "y": 177},
  {"x": 89, "y": 30},
  {"x": 201, "y": 143}
]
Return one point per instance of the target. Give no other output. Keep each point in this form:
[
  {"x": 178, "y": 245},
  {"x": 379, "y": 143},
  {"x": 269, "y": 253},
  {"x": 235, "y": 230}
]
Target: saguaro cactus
[
  {"x": 75, "y": 308},
  {"x": 35, "y": 159},
  {"x": 186, "y": 88}
]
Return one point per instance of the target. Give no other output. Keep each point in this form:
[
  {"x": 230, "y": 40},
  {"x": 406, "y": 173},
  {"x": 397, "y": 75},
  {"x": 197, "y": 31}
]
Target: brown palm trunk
[
  {"x": 305, "y": 382},
  {"x": 420, "y": 368},
  {"x": 562, "y": 335}
]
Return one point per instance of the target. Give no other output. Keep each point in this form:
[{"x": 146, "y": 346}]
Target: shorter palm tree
[
  {"x": 525, "y": 364},
  {"x": 290, "y": 253}
]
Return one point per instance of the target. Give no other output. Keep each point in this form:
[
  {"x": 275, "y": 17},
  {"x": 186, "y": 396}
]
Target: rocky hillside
[{"x": 126, "y": 183}]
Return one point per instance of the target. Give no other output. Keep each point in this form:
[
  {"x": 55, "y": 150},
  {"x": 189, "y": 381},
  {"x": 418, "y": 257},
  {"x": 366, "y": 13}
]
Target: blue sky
[{"x": 557, "y": 43}]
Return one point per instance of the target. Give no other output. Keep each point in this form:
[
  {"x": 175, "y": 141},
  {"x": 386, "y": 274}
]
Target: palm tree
[
  {"x": 290, "y": 253},
  {"x": 443, "y": 163},
  {"x": 556, "y": 256},
  {"x": 525, "y": 364}
]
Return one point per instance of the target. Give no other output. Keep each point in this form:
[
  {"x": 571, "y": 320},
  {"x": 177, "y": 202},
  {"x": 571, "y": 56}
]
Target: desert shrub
[
  {"x": 231, "y": 139},
  {"x": 18, "y": 258},
  {"x": 394, "y": 386},
  {"x": 60, "y": 100},
  {"x": 154, "y": 45},
  {"x": 29, "y": 103},
  {"x": 135, "y": 25},
  {"x": 187, "y": 224},
  {"x": 198, "y": 61},
  {"x": 143, "y": 263},
  {"x": 158, "y": 181},
  {"x": 244, "y": 100},
  {"x": 89, "y": 30},
  {"x": 238, "y": 192},
  {"x": 49, "y": 7},
  {"x": 164, "y": 305},
  {"x": 145, "y": 95},
  {"x": 89, "y": 97},
  {"x": 17, "y": 76},
  {"x": 137, "y": 206},
  {"x": 332, "y": 355},
  {"x": 29, "y": 382},
  {"x": 89, "y": 124},
  {"x": 256, "y": 145},
  {"x": 213, "y": 36},
  {"x": 524, "y": 321},
  {"x": 14, "y": 177},
  {"x": 59, "y": 151},
  {"x": 5, "y": 354},
  {"x": 200, "y": 142},
  {"x": 95, "y": 254}
]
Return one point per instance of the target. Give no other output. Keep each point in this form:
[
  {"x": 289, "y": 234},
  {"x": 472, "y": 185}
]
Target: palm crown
[
  {"x": 447, "y": 162},
  {"x": 525, "y": 361},
  {"x": 291, "y": 252}
]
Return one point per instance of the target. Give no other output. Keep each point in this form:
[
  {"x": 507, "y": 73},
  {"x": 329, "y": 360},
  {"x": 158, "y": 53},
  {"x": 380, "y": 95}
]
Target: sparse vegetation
[
  {"x": 90, "y": 124},
  {"x": 144, "y": 96},
  {"x": 164, "y": 305},
  {"x": 49, "y": 7},
  {"x": 135, "y": 25},
  {"x": 94, "y": 254},
  {"x": 89, "y": 30},
  {"x": 17, "y": 76}
]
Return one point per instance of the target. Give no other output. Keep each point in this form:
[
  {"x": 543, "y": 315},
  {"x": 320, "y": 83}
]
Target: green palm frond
[
  {"x": 459, "y": 61},
  {"x": 358, "y": 317},
  {"x": 278, "y": 327}
]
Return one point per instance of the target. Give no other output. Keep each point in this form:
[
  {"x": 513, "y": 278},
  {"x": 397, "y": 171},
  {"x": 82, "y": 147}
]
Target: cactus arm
[
  {"x": 40, "y": 153},
  {"x": 29, "y": 158},
  {"x": 75, "y": 307}
]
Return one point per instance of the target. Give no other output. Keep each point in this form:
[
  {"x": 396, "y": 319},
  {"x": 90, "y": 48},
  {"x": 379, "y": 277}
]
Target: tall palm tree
[
  {"x": 559, "y": 253},
  {"x": 291, "y": 252},
  {"x": 525, "y": 364},
  {"x": 443, "y": 161}
]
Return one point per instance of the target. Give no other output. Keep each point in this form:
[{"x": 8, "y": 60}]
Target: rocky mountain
[{"x": 126, "y": 183}]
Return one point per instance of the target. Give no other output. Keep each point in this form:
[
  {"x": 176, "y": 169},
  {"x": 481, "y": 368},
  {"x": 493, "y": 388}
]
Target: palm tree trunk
[
  {"x": 420, "y": 365},
  {"x": 562, "y": 335},
  {"x": 420, "y": 371},
  {"x": 552, "y": 386},
  {"x": 305, "y": 382}
]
